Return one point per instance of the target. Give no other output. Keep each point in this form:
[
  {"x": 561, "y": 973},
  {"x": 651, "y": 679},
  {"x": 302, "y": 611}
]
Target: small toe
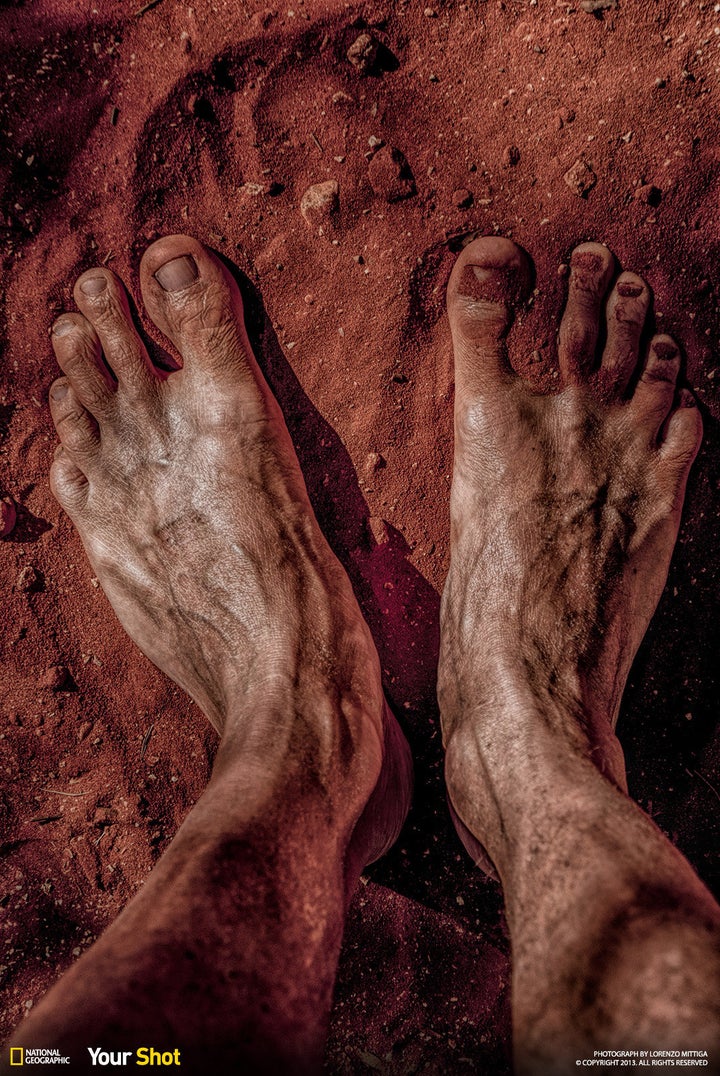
[
  {"x": 79, "y": 355},
  {"x": 68, "y": 483},
  {"x": 489, "y": 282},
  {"x": 195, "y": 301},
  {"x": 591, "y": 270},
  {"x": 77, "y": 430},
  {"x": 103, "y": 300},
  {"x": 626, "y": 311},
  {"x": 682, "y": 432},
  {"x": 655, "y": 391}
]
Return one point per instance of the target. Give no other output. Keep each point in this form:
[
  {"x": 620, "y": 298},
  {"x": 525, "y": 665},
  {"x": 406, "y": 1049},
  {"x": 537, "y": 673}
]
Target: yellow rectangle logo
[{"x": 16, "y": 1055}]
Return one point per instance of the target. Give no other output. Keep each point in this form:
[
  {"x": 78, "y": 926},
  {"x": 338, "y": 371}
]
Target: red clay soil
[{"x": 547, "y": 121}]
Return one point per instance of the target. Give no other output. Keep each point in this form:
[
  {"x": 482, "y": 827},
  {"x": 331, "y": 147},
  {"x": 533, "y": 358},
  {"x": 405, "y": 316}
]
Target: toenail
[
  {"x": 59, "y": 392},
  {"x": 629, "y": 291},
  {"x": 178, "y": 274},
  {"x": 665, "y": 351},
  {"x": 93, "y": 285},
  {"x": 62, "y": 327},
  {"x": 589, "y": 263}
]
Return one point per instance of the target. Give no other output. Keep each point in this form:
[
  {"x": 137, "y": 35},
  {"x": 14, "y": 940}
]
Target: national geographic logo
[
  {"x": 144, "y": 1055},
  {"x": 29, "y": 1055}
]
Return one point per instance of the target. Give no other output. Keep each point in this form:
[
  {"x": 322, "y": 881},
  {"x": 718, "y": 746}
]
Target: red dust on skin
[{"x": 105, "y": 153}]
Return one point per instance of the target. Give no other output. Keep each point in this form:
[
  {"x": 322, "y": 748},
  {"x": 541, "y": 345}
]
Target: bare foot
[
  {"x": 188, "y": 497},
  {"x": 565, "y": 510}
]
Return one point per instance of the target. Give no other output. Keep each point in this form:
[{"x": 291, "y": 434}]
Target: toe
[
  {"x": 655, "y": 391},
  {"x": 591, "y": 270},
  {"x": 68, "y": 483},
  {"x": 627, "y": 309},
  {"x": 103, "y": 300},
  {"x": 682, "y": 433},
  {"x": 79, "y": 355},
  {"x": 489, "y": 282},
  {"x": 77, "y": 430},
  {"x": 195, "y": 301}
]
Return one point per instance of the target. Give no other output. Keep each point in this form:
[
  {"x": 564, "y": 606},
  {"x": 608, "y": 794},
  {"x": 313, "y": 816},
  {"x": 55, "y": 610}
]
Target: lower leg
[{"x": 565, "y": 510}]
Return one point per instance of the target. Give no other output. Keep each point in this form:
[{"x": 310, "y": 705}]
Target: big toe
[
  {"x": 489, "y": 282},
  {"x": 195, "y": 301}
]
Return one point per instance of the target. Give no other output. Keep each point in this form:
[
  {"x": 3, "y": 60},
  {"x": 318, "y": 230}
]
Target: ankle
[{"x": 513, "y": 753}]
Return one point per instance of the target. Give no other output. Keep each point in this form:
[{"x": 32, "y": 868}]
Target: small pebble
[
  {"x": 8, "y": 516},
  {"x": 390, "y": 176},
  {"x": 378, "y": 530},
  {"x": 363, "y": 52},
  {"x": 648, "y": 194},
  {"x": 374, "y": 462},
  {"x": 320, "y": 203},
  {"x": 29, "y": 580},
  {"x": 580, "y": 178},
  {"x": 591, "y": 6},
  {"x": 55, "y": 678},
  {"x": 462, "y": 198}
]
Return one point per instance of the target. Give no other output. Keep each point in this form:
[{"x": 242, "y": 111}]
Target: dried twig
[
  {"x": 705, "y": 780},
  {"x": 146, "y": 7},
  {"x": 59, "y": 793},
  {"x": 146, "y": 741}
]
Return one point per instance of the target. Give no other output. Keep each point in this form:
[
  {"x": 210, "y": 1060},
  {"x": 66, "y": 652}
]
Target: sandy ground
[{"x": 530, "y": 118}]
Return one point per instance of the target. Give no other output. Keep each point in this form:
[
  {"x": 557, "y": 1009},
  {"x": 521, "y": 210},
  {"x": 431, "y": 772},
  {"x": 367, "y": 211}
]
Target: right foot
[
  {"x": 187, "y": 494},
  {"x": 565, "y": 509}
]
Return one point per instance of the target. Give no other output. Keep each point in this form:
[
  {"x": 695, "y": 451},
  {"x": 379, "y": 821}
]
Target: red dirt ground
[{"x": 214, "y": 118}]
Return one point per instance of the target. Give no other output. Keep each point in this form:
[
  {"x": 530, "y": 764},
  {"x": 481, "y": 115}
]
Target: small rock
[
  {"x": 200, "y": 107},
  {"x": 55, "y": 678},
  {"x": 320, "y": 203},
  {"x": 378, "y": 530},
  {"x": 563, "y": 116},
  {"x": 563, "y": 270},
  {"x": 103, "y": 817},
  {"x": 591, "y": 6},
  {"x": 462, "y": 198},
  {"x": 29, "y": 580},
  {"x": 374, "y": 462},
  {"x": 8, "y": 516},
  {"x": 511, "y": 156},
  {"x": 580, "y": 178},
  {"x": 390, "y": 176},
  {"x": 648, "y": 194},
  {"x": 363, "y": 53},
  {"x": 430, "y": 13}
]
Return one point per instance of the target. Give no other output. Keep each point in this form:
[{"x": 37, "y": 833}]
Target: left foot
[
  {"x": 187, "y": 494},
  {"x": 565, "y": 509}
]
